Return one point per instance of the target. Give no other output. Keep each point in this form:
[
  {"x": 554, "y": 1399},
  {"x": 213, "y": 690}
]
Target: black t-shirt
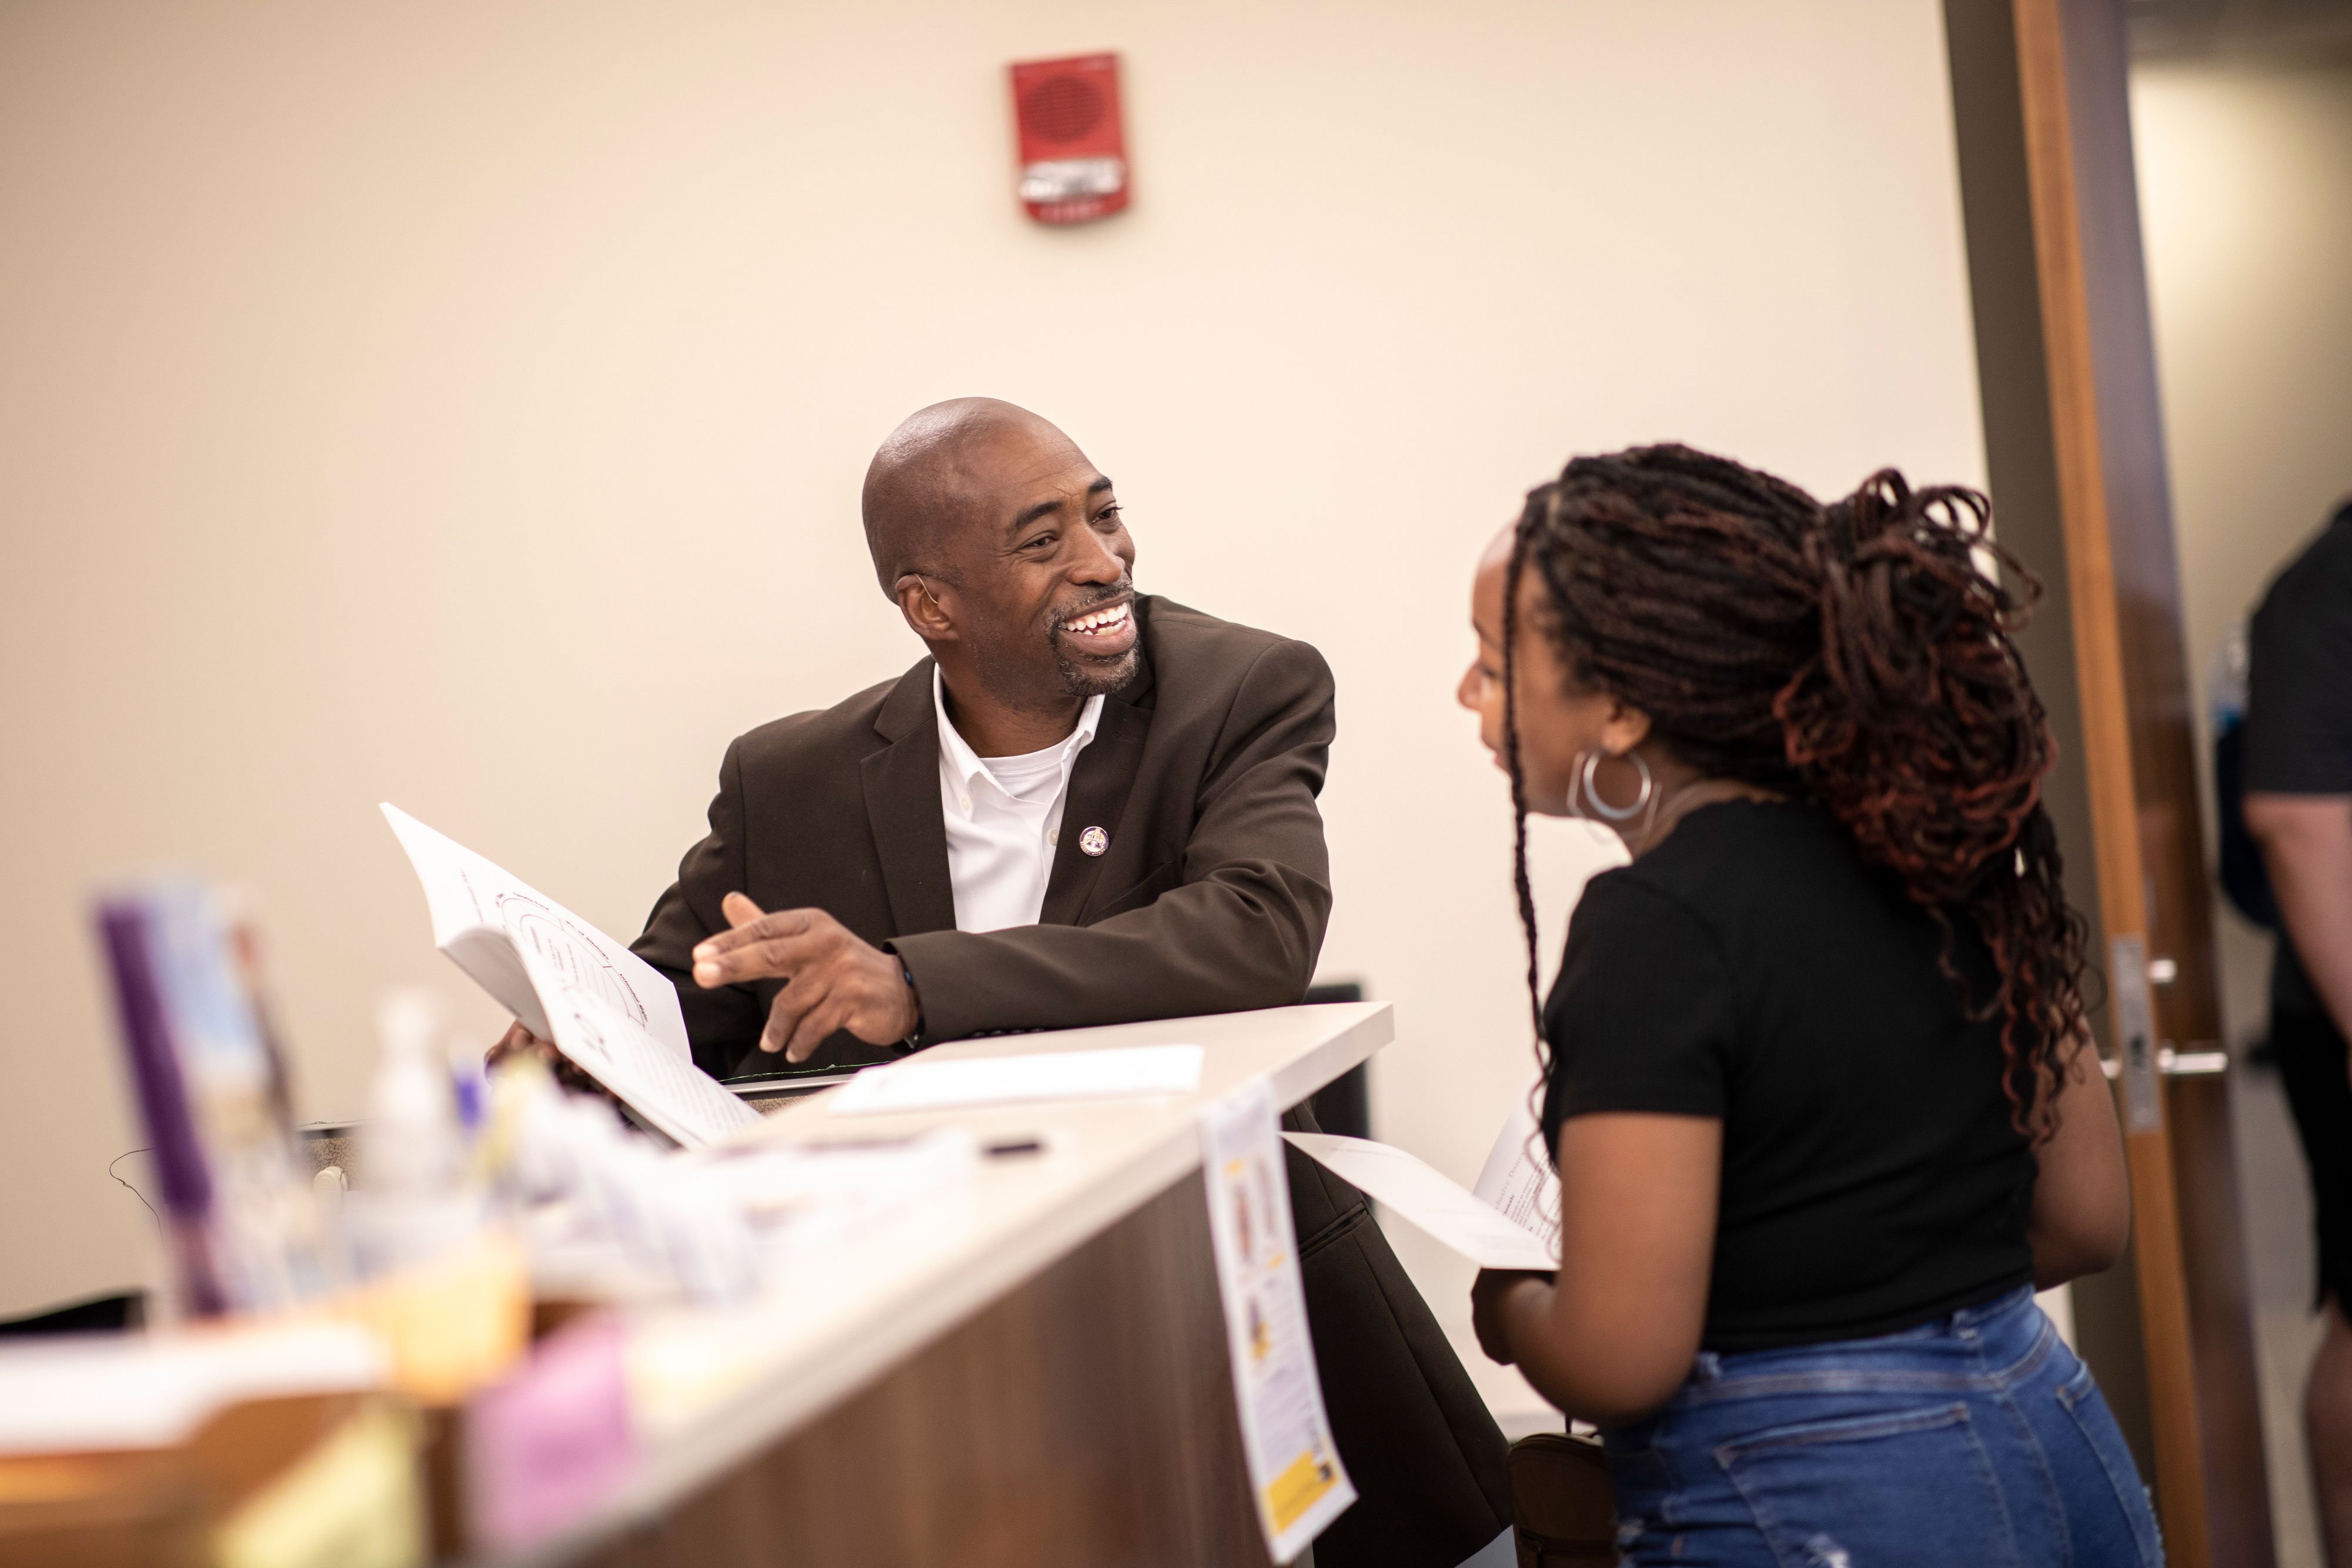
[
  {"x": 1752, "y": 967},
  {"x": 2299, "y": 703}
]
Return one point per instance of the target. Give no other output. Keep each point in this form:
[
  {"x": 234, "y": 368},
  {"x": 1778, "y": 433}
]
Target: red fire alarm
[{"x": 1073, "y": 137}]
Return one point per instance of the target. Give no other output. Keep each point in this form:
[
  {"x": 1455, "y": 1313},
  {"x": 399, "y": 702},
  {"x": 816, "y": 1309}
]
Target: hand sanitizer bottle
[{"x": 412, "y": 1151}]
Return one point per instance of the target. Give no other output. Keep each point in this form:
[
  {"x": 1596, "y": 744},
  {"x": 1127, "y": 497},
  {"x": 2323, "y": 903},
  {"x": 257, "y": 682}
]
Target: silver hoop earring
[{"x": 1619, "y": 813}]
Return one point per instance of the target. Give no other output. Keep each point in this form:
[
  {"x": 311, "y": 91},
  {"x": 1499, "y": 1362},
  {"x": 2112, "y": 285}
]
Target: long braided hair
[{"x": 1857, "y": 656}]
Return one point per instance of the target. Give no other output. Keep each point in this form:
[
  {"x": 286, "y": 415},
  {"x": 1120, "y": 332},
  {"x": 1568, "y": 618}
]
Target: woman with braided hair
[{"x": 1817, "y": 1083}]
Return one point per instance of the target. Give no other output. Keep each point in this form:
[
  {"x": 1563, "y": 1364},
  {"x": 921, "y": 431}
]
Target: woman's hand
[
  {"x": 1637, "y": 1236},
  {"x": 1490, "y": 1309}
]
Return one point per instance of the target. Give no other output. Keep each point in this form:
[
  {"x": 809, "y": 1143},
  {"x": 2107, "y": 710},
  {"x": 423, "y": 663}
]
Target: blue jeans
[{"x": 1978, "y": 1440}]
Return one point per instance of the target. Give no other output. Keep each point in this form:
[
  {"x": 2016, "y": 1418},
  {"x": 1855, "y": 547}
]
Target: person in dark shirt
[
  {"x": 1819, "y": 1090},
  {"x": 2298, "y": 807}
]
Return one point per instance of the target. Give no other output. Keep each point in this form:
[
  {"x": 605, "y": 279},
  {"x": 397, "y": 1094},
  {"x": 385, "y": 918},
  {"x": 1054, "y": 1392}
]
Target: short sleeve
[
  {"x": 2299, "y": 679},
  {"x": 1641, "y": 1017}
]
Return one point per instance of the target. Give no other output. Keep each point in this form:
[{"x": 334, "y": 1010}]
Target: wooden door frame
[{"x": 2074, "y": 448}]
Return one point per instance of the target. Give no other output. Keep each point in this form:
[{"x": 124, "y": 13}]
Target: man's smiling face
[{"x": 1044, "y": 561}]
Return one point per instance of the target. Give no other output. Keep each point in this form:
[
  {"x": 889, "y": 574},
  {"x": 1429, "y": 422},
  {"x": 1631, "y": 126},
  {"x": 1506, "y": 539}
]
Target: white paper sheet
[
  {"x": 605, "y": 1009},
  {"x": 929, "y": 1084},
  {"x": 483, "y": 918},
  {"x": 678, "y": 1097},
  {"x": 89, "y": 1393},
  {"x": 1518, "y": 1181},
  {"x": 1432, "y": 1203},
  {"x": 1295, "y": 1475}
]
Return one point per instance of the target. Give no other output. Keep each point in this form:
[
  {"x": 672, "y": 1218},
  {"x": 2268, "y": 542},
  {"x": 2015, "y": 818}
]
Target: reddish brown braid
[{"x": 1858, "y": 656}]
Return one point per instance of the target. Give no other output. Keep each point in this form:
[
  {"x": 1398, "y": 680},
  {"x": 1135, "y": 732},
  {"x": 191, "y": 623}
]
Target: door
[{"x": 2075, "y": 450}]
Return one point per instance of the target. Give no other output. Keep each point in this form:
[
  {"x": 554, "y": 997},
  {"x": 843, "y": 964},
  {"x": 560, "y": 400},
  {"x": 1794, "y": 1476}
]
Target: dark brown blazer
[{"x": 1212, "y": 896}]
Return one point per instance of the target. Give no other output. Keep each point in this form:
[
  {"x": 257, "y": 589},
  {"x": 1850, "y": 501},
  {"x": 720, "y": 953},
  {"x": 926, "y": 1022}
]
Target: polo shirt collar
[{"x": 965, "y": 764}]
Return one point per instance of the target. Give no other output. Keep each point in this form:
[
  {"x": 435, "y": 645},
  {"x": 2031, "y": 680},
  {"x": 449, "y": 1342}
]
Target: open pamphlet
[
  {"x": 1510, "y": 1221},
  {"x": 609, "y": 1011}
]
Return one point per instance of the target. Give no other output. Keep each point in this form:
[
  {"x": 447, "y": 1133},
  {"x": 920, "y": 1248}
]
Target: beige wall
[
  {"x": 464, "y": 404},
  {"x": 2245, "y": 176}
]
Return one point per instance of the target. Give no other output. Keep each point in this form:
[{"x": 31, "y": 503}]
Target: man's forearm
[
  {"x": 2306, "y": 842},
  {"x": 1245, "y": 939}
]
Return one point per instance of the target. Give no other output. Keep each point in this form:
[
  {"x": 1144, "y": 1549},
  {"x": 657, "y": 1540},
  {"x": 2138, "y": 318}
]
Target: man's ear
[{"x": 927, "y": 617}]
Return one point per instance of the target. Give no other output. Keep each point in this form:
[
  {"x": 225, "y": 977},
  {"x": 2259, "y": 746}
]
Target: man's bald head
[
  {"x": 1008, "y": 556},
  {"x": 944, "y": 470}
]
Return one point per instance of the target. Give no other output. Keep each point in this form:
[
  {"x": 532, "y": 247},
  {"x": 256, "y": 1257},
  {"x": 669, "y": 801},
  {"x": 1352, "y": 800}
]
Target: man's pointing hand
[{"x": 834, "y": 980}]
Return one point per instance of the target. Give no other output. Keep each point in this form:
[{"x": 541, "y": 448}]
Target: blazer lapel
[
  {"x": 1100, "y": 786},
  {"x": 902, "y": 807}
]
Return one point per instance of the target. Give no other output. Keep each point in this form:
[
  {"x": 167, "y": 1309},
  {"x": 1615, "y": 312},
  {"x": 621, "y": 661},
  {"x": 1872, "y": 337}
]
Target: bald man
[
  {"x": 902, "y": 858},
  {"x": 1082, "y": 806}
]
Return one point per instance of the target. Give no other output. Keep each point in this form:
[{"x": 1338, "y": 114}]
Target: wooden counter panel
[{"x": 1087, "y": 1417}]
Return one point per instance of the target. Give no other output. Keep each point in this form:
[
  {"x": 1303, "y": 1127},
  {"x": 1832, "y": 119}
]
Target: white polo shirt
[{"x": 1003, "y": 820}]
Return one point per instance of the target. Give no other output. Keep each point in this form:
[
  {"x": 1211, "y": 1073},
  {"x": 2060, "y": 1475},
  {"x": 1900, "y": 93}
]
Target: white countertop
[{"x": 809, "y": 1344}]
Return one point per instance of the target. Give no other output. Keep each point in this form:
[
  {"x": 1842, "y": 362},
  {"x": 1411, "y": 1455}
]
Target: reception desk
[{"x": 1038, "y": 1378}]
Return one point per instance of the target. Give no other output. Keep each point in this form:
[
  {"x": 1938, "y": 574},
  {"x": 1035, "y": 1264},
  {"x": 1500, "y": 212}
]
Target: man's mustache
[{"x": 1061, "y": 615}]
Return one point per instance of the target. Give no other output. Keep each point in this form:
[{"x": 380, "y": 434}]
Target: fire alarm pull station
[{"x": 1073, "y": 140}]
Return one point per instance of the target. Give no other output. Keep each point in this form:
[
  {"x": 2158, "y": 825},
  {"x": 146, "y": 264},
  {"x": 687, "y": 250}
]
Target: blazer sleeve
[
  {"x": 716, "y": 1020},
  {"x": 1239, "y": 924}
]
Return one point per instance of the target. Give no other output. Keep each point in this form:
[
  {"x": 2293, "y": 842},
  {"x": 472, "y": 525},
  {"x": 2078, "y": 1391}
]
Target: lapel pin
[{"x": 1093, "y": 841}]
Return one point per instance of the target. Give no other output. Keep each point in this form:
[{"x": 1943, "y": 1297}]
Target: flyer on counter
[{"x": 1295, "y": 1472}]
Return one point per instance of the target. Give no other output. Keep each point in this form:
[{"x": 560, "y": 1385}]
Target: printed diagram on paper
[
  {"x": 484, "y": 919},
  {"x": 1295, "y": 1475},
  {"x": 605, "y": 1009},
  {"x": 688, "y": 1104},
  {"x": 560, "y": 943}
]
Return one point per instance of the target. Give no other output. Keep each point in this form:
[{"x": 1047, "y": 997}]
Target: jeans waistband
[
  {"x": 1989, "y": 1343},
  {"x": 1982, "y": 1313}
]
